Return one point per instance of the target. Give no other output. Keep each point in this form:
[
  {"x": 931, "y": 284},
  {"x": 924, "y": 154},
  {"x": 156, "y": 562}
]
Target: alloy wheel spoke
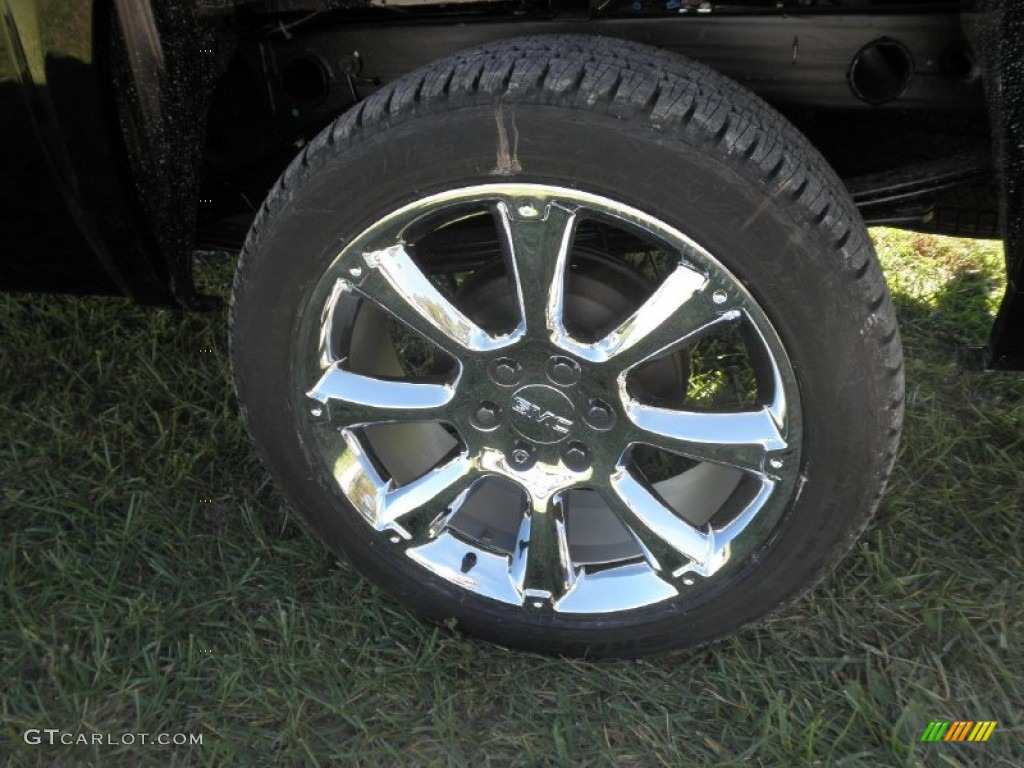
[
  {"x": 397, "y": 285},
  {"x": 350, "y": 399},
  {"x": 741, "y": 439},
  {"x": 541, "y": 567},
  {"x": 424, "y": 506},
  {"x": 682, "y": 310},
  {"x": 416, "y": 511},
  {"x": 536, "y": 241},
  {"x": 669, "y": 542}
]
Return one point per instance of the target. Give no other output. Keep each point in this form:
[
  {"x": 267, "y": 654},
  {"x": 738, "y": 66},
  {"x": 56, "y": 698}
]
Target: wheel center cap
[{"x": 541, "y": 413}]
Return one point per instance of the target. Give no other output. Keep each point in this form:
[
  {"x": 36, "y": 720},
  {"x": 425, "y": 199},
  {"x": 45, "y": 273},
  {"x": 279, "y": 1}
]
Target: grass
[{"x": 153, "y": 581}]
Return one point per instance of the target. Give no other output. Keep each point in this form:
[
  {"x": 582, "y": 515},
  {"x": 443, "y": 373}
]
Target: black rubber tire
[{"x": 667, "y": 136}]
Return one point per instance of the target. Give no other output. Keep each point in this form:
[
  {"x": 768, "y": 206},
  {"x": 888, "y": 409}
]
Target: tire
[{"x": 685, "y": 433}]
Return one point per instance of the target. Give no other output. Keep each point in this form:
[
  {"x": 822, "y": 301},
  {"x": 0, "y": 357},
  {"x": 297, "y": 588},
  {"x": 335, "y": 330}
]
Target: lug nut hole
[
  {"x": 505, "y": 372},
  {"x": 486, "y": 415},
  {"x": 563, "y": 371},
  {"x": 600, "y": 415},
  {"x": 576, "y": 456}
]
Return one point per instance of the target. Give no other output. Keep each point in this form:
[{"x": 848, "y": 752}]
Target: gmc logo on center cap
[{"x": 534, "y": 413}]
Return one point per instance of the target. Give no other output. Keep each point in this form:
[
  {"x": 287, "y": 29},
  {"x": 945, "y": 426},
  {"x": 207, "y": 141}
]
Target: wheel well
[{"x": 876, "y": 92}]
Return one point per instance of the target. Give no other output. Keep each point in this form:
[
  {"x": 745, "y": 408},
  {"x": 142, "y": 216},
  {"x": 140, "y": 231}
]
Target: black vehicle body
[{"x": 133, "y": 132}]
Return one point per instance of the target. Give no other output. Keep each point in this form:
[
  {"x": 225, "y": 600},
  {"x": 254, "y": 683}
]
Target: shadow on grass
[{"x": 957, "y": 315}]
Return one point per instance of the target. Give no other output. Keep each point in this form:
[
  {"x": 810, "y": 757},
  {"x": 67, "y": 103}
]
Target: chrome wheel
[
  {"x": 509, "y": 453},
  {"x": 602, "y": 423}
]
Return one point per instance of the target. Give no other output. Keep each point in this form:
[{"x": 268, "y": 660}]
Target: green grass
[{"x": 153, "y": 581}]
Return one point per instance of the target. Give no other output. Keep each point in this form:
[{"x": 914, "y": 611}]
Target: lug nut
[
  {"x": 576, "y": 456},
  {"x": 504, "y": 371},
  {"x": 521, "y": 455},
  {"x": 563, "y": 371},
  {"x": 486, "y": 415},
  {"x": 600, "y": 415}
]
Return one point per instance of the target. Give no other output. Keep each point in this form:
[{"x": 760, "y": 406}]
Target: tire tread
[{"x": 656, "y": 91}]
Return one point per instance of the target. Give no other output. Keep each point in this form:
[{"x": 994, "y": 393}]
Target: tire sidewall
[{"x": 714, "y": 199}]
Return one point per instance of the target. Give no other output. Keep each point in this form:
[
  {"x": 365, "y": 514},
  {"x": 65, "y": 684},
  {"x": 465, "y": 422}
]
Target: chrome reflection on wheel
[{"x": 515, "y": 385}]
